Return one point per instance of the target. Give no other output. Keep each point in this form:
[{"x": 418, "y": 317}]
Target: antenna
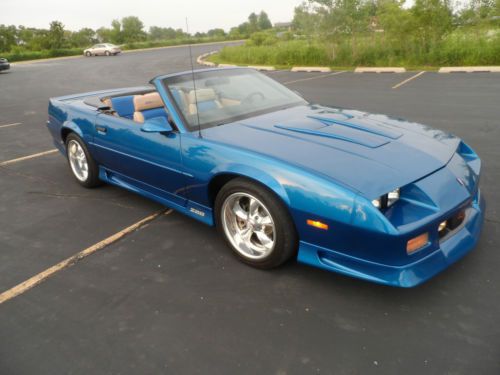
[{"x": 194, "y": 80}]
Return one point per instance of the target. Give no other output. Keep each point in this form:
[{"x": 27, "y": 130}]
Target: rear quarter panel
[{"x": 67, "y": 117}]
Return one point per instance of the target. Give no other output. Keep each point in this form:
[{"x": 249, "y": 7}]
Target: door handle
[{"x": 101, "y": 129}]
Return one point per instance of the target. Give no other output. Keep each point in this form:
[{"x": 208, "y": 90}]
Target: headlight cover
[{"x": 387, "y": 200}]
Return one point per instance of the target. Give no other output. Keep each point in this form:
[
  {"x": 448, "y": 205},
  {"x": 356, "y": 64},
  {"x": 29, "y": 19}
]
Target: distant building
[{"x": 283, "y": 25}]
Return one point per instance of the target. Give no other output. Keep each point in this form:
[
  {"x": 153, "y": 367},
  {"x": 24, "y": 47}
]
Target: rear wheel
[
  {"x": 255, "y": 224},
  {"x": 82, "y": 165},
  {"x": 107, "y": 53}
]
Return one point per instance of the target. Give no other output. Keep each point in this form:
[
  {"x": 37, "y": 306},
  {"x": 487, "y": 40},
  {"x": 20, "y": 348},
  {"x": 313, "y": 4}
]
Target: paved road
[{"x": 170, "y": 298}]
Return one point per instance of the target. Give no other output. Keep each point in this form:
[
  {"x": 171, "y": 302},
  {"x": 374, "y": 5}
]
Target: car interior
[{"x": 144, "y": 106}]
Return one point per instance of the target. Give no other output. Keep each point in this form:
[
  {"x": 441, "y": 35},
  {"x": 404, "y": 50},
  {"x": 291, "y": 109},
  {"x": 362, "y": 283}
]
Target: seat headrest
[
  {"x": 202, "y": 95},
  {"x": 147, "y": 101},
  {"x": 108, "y": 102}
]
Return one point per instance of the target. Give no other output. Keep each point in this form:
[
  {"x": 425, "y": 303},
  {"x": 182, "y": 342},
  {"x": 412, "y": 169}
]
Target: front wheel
[
  {"x": 255, "y": 224},
  {"x": 81, "y": 163},
  {"x": 88, "y": 54},
  {"x": 107, "y": 53}
]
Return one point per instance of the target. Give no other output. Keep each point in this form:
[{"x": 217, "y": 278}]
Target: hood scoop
[
  {"x": 372, "y": 127},
  {"x": 321, "y": 133},
  {"x": 350, "y": 131}
]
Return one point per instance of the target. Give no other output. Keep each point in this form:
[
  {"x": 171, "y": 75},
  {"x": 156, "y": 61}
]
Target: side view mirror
[{"x": 157, "y": 125}]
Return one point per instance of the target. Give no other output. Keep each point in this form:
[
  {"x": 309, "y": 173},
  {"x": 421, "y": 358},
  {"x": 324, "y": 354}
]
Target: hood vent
[
  {"x": 364, "y": 141},
  {"x": 373, "y": 129}
]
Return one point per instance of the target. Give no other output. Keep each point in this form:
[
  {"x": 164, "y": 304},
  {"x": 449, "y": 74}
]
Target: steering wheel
[{"x": 250, "y": 97}]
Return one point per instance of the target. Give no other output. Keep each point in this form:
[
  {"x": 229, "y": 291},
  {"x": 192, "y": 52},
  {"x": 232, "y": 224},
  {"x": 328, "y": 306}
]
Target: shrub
[{"x": 459, "y": 48}]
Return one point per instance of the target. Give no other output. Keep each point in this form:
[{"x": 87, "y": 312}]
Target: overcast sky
[{"x": 202, "y": 15}]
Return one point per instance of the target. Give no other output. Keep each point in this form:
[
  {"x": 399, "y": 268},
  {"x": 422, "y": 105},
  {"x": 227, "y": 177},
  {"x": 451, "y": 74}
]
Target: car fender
[
  {"x": 254, "y": 174},
  {"x": 307, "y": 196}
]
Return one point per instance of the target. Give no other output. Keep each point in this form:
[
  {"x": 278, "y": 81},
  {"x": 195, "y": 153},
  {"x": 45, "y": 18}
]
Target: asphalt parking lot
[{"x": 170, "y": 297}]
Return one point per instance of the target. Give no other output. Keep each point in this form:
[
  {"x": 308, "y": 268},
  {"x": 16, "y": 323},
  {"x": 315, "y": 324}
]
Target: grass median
[{"x": 374, "y": 50}]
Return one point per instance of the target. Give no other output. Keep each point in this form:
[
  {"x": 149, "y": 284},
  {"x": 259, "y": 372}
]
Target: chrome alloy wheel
[
  {"x": 78, "y": 160},
  {"x": 248, "y": 225}
]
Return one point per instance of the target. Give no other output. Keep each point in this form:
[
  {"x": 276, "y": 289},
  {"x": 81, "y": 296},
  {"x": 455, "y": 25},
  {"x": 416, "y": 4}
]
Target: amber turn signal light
[
  {"x": 317, "y": 224},
  {"x": 417, "y": 243}
]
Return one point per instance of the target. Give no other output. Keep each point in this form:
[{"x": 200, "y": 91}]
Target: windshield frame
[{"x": 166, "y": 81}]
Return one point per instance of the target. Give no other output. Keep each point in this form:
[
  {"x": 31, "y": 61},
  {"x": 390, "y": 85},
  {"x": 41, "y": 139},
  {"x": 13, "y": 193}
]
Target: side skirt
[{"x": 188, "y": 208}]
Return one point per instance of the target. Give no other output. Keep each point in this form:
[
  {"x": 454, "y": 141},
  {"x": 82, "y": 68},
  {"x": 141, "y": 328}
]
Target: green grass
[
  {"x": 459, "y": 48},
  {"x": 19, "y": 54}
]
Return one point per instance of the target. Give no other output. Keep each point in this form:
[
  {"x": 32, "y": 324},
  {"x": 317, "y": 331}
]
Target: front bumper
[
  {"x": 4, "y": 66},
  {"x": 409, "y": 275}
]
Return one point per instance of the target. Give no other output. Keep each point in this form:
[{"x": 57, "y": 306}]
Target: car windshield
[{"x": 228, "y": 95}]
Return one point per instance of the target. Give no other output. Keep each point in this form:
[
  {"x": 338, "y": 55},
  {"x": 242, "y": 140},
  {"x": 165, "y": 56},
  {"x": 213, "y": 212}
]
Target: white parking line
[
  {"x": 12, "y": 161},
  {"x": 9, "y": 125},
  {"x": 315, "y": 77},
  {"x": 408, "y": 80},
  {"x": 44, "y": 275}
]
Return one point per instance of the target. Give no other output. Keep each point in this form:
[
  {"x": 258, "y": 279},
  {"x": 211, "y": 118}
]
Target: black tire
[
  {"x": 92, "y": 179},
  {"x": 88, "y": 54},
  {"x": 107, "y": 53},
  {"x": 286, "y": 239}
]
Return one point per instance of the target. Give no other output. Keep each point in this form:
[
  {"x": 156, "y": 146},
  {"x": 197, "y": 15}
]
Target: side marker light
[
  {"x": 417, "y": 243},
  {"x": 317, "y": 224}
]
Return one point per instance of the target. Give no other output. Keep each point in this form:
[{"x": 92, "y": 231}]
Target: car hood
[{"x": 369, "y": 153}]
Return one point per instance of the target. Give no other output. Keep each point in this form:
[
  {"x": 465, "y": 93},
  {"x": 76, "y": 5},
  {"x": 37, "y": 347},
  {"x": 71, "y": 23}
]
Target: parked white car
[{"x": 102, "y": 49}]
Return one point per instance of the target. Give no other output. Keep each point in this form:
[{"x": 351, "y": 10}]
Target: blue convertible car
[{"x": 378, "y": 198}]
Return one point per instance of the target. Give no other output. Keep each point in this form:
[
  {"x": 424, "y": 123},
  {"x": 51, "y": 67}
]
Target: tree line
[
  {"x": 346, "y": 33},
  {"x": 426, "y": 21},
  {"x": 125, "y": 31}
]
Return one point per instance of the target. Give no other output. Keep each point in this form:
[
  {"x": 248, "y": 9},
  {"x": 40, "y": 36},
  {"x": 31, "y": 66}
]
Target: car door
[
  {"x": 99, "y": 49},
  {"x": 148, "y": 161}
]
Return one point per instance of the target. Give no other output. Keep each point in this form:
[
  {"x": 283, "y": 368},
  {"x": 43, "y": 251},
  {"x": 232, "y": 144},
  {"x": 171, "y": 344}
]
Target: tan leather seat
[
  {"x": 205, "y": 98},
  {"x": 147, "y": 106},
  {"x": 108, "y": 102}
]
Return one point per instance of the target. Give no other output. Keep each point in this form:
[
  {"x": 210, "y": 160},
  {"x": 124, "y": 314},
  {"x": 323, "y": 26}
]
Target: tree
[
  {"x": 8, "y": 37},
  {"x": 342, "y": 17},
  {"x": 162, "y": 33},
  {"x": 132, "y": 29},
  {"x": 104, "y": 34},
  {"x": 55, "y": 36},
  {"x": 115, "y": 34},
  {"x": 263, "y": 21},
  {"x": 253, "y": 23},
  {"x": 216, "y": 33},
  {"x": 433, "y": 18},
  {"x": 396, "y": 21},
  {"x": 82, "y": 38},
  {"x": 305, "y": 20}
]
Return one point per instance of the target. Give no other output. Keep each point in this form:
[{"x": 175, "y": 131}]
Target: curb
[
  {"x": 470, "y": 69},
  {"x": 262, "y": 67},
  {"x": 379, "y": 70},
  {"x": 201, "y": 59},
  {"x": 227, "y": 66},
  {"x": 311, "y": 69}
]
